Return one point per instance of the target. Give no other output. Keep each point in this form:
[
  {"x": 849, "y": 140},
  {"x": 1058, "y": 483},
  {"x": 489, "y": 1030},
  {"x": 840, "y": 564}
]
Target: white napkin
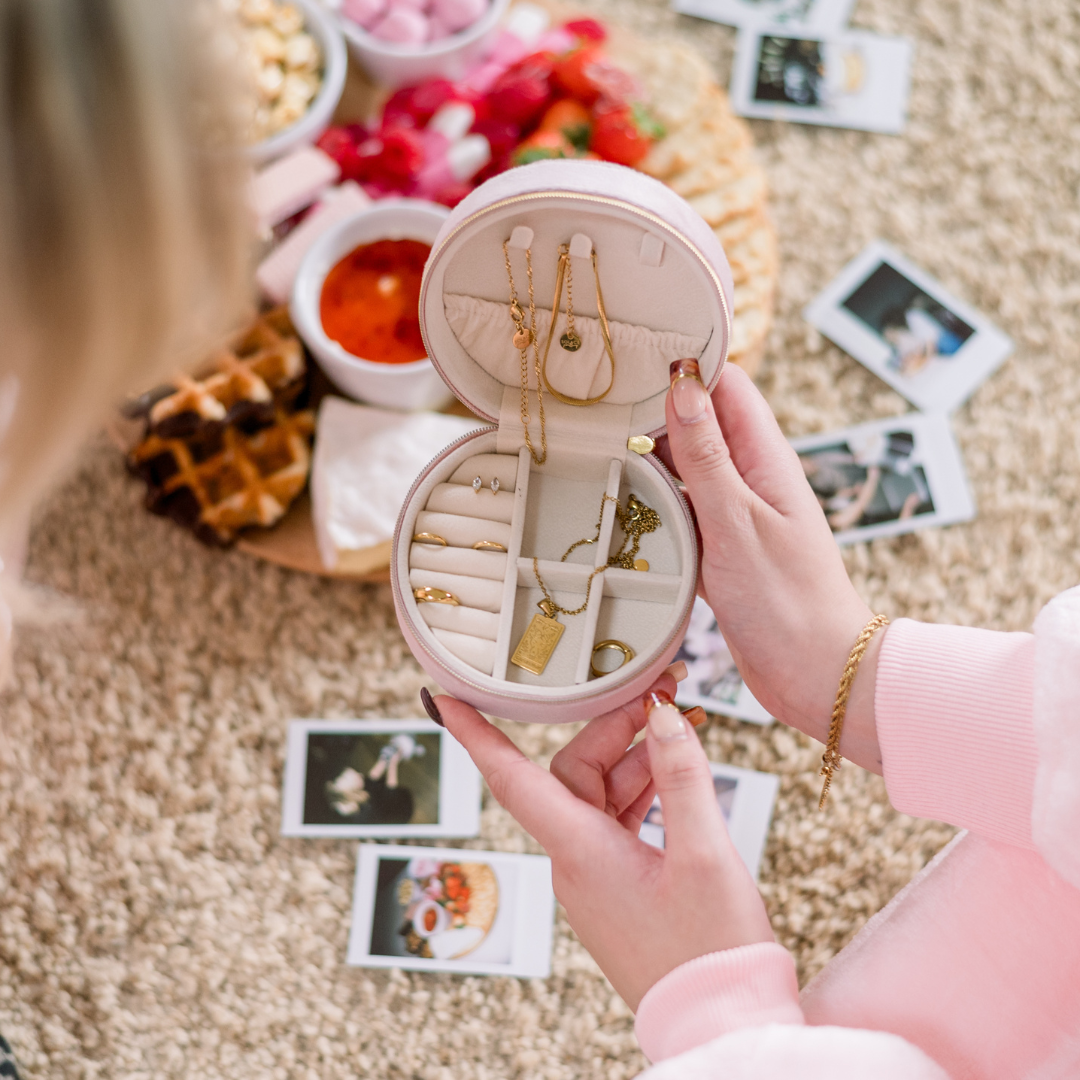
[{"x": 366, "y": 459}]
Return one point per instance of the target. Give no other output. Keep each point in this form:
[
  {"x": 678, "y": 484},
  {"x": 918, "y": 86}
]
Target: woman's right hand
[{"x": 770, "y": 568}]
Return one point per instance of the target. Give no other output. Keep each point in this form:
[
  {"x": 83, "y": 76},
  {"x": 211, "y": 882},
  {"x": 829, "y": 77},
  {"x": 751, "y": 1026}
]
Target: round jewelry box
[{"x": 544, "y": 569}]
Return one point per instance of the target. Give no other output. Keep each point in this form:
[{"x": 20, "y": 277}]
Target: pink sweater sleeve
[
  {"x": 955, "y": 723},
  {"x": 735, "y": 1015}
]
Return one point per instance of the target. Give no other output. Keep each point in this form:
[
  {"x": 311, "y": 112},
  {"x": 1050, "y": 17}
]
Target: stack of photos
[
  {"x": 908, "y": 329},
  {"x": 378, "y": 778},
  {"x": 887, "y": 477},
  {"x": 800, "y": 15},
  {"x": 437, "y": 909},
  {"x": 851, "y": 79},
  {"x": 746, "y": 800},
  {"x": 712, "y": 679}
]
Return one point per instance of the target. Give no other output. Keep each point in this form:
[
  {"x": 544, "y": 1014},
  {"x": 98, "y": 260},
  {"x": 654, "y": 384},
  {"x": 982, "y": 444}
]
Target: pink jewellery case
[{"x": 648, "y": 284}]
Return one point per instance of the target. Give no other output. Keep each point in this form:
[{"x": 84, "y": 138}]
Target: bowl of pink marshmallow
[{"x": 403, "y": 42}]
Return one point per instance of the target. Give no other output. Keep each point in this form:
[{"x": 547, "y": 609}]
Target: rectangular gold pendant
[{"x": 537, "y": 644}]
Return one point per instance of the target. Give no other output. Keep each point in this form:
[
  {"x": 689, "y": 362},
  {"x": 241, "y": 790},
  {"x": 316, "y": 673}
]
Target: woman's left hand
[{"x": 640, "y": 912}]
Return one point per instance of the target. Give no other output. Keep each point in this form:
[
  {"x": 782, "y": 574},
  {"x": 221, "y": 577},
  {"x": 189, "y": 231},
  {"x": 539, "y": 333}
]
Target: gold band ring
[
  {"x": 617, "y": 646},
  {"x": 429, "y": 538},
  {"x": 430, "y": 595},
  {"x": 487, "y": 545}
]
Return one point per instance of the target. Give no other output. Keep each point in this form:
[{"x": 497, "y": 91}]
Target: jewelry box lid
[{"x": 635, "y": 250}]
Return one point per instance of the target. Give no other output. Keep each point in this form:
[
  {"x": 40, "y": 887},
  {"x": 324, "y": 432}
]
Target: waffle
[
  {"x": 228, "y": 447},
  {"x": 241, "y": 384},
  {"x": 217, "y": 484}
]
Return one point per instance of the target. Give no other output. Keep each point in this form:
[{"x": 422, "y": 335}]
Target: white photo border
[
  {"x": 534, "y": 915},
  {"x": 751, "y": 810},
  {"x": 974, "y": 362},
  {"x": 893, "y": 71},
  {"x": 823, "y": 15},
  {"x": 939, "y": 456},
  {"x": 460, "y": 789}
]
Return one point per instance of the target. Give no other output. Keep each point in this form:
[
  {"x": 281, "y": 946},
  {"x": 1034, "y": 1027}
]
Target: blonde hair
[{"x": 124, "y": 232}]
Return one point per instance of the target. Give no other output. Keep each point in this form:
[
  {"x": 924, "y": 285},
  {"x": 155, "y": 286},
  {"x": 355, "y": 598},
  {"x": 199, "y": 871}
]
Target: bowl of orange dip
[{"x": 356, "y": 303}]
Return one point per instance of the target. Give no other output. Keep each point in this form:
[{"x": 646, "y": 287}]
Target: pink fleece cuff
[
  {"x": 954, "y": 711},
  {"x": 723, "y": 991}
]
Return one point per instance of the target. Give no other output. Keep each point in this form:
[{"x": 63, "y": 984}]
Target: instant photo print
[
  {"x": 794, "y": 15},
  {"x": 445, "y": 909},
  {"x": 852, "y": 79},
  {"x": 378, "y": 778},
  {"x": 712, "y": 679},
  {"x": 887, "y": 477},
  {"x": 909, "y": 330},
  {"x": 746, "y": 800}
]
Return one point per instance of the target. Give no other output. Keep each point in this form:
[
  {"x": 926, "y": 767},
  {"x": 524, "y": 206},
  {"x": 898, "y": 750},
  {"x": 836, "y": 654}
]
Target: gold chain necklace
[
  {"x": 571, "y": 340},
  {"x": 537, "y": 644},
  {"x": 524, "y": 336}
]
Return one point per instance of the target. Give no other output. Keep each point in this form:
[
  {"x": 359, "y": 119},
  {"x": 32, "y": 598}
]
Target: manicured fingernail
[
  {"x": 677, "y": 670},
  {"x": 430, "y": 707},
  {"x": 666, "y": 723},
  {"x": 696, "y": 716},
  {"x": 688, "y": 394}
]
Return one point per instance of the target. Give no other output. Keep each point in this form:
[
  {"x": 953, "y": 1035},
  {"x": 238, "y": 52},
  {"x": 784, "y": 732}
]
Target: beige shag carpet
[{"x": 152, "y": 921}]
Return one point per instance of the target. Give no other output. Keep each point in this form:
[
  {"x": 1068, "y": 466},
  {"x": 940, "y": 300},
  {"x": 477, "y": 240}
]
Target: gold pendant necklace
[
  {"x": 571, "y": 340},
  {"x": 542, "y": 635},
  {"x": 524, "y": 336}
]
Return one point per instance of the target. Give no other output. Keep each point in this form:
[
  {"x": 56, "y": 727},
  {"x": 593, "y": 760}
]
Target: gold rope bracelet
[{"x": 830, "y": 760}]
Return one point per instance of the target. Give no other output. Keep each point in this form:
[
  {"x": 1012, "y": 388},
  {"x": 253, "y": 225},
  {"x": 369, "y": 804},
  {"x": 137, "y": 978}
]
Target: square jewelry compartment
[{"x": 495, "y": 531}]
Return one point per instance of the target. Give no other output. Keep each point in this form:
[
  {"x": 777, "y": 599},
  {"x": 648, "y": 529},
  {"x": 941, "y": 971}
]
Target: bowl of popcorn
[
  {"x": 402, "y": 42},
  {"x": 298, "y": 62}
]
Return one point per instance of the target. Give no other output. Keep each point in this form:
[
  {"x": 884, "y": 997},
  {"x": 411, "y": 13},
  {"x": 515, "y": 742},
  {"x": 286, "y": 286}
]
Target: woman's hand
[
  {"x": 770, "y": 568},
  {"x": 639, "y": 911}
]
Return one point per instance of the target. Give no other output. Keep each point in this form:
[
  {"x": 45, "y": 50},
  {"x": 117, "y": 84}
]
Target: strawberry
[
  {"x": 586, "y": 29},
  {"x": 521, "y": 93},
  {"x": 588, "y": 75},
  {"x": 571, "y": 118},
  {"x": 542, "y": 145},
  {"x": 623, "y": 134}
]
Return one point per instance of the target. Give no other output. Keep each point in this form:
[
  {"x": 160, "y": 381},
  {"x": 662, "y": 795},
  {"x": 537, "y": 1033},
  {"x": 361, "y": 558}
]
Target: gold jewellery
[
  {"x": 636, "y": 520},
  {"x": 488, "y": 545},
  {"x": 537, "y": 644},
  {"x": 524, "y": 336},
  {"x": 571, "y": 340},
  {"x": 830, "y": 760},
  {"x": 434, "y": 539},
  {"x": 617, "y": 646},
  {"x": 428, "y": 594}
]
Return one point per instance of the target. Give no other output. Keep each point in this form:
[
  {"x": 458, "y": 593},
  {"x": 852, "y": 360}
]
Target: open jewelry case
[{"x": 544, "y": 569}]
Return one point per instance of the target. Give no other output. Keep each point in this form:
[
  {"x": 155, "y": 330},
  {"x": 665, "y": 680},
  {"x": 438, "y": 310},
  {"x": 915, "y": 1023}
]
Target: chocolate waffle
[
  {"x": 229, "y": 446},
  {"x": 240, "y": 384}
]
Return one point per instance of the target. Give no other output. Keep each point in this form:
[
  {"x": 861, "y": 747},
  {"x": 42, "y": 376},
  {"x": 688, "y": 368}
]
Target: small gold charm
[
  {"x": 641, "y": 564},
  {"x": 523, "y": 338},
  {"x": 570, "y": 341},
  {"x": 538, "y": 642}
]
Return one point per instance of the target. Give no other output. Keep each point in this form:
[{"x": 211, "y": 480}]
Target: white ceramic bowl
[
  {"x": 442, "y": 918},
  {"x": 404, "y": 65},
  {"x": 397, "y": 386},
  {"x": 324, "y": 29}
]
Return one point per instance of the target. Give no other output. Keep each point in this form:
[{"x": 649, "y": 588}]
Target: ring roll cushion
[{"x": 674, "y": 304}]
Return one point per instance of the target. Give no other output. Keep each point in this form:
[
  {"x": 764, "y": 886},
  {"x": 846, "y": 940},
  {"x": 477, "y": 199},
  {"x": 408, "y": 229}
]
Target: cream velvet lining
[
  {"x": 547, "y": 511},
  {"x": 642, "y": 356}
]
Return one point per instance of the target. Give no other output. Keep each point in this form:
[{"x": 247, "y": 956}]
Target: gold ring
[
  {"x": 429, "y": 538},
  {"x": 618, "y": 646},
  {"x": 487, "y": 545},
  {"x": 429, "y": 595}
]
